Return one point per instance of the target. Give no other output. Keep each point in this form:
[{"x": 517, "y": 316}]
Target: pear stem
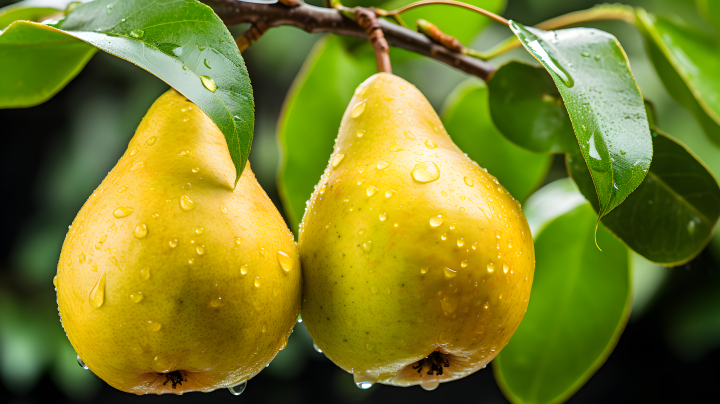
[
  {"x": 367, "y": 19},
  {"x": 313, "y": 19}
]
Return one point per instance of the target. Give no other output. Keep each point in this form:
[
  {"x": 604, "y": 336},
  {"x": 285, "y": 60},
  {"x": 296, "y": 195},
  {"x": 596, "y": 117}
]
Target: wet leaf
[
  {"x": 467, "y": 120},
  {"x": 528, "y": 109},
  {"x": 311, "y": 117},
  {"x": 591, "y": 72},
  {"x": 670, "y": 217},
  {"x": 687, "y": 62},
  {"x": 184, "y": 43},
  {"x": 579, "y": 305}
]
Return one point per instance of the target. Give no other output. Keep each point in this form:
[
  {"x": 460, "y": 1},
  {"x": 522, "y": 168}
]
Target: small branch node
[
  {"x": 253, "y": 33},
  {"x": 433, "y": 32}
]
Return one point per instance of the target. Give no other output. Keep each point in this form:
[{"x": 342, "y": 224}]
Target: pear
[
  {"x": 417, "y": 263},
  {"x": 172, "y": 278}
]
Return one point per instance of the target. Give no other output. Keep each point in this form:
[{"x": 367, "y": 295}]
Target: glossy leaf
[
  {"x": 30, "y": 10},
  {"x": 462, "y": 24},
  {"x": 528, "y": 109},
  {"x": 687, "y": 62},
  {"x": 467, "y": 119},
  {"x": 184, "y": 43},
  {"x": 579, "y": 305},
  {"x": 553, "y": 200},
  {"x": 311, "y": 117},
  {"x": 591, "y": 71},
  {"x": 670, "y": 217}
]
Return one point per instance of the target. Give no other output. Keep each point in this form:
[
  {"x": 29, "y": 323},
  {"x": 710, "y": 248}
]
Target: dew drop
[
  {"x": 367, "y": 246},
  {"x": 429, "y": 385},
  {"x": 383, "y": 216},
  {"x": 286, "y": 263},
  {"x": 257, "y": 282},
  {"x": 173, "y": 243},
  {"x": 238, "y": 389},
  {"x": 490, "y": 267},
  {"x": 358, "y": 109},
  {"x": 224, "y": 209},
  {"x": 136, "y": 297},
  {"x": 469, "y": 181},
  {"x": 424, "y": 270},
  {"x": 244, "y": 269},
  {"x": 389, "y": 193},
  {"x": 113, "y": 260},
  {"x": 186, "y": 203},
  {"x": 436, "y": 221},
  {"x": 137, "y": 33},
  {"x": 195, "y": 170},
  {"x": 370, "y": 346},
  {"x": 151, "y": 141},
  {"x": 122, "y": 211},
  {"x": 381, "y": 165},
  {"x": 80, "y": 361},
  {"x": 388, "y": 97},
  {"x": 199, "y": 231},
  {"x": 200, "y": 250},
  {"x": 460, "y": 242},
  {"x": 371, "y": 190},
  {"x": 81, "y": 257},
  {"x": 97, "y": 294},
  {"x": 337, "y": 159},
  {"x": 55, "y": 281},
  {"x": 404, "y": 88},
  {"x": 449, "y": 273},
  {"x": 208, "y": 83},
  {"x": 238, "y": 240},
  {"x": 363, "y": 382},
  {"x": 141, "y": 230},
  {"x": 316, "y": 348},
  {"x": 94, "y": 267},
  {"x": 430, "y": 144},
  {"x": 506, "y": 267},
  {"x": 153, "y": 325},
  {"x": 425, "y": 172},
  {"x": 374, "y": 290},
  {"x": 464, "y": 264},
  {"x": 443, "y": 236},
  {"x": 108, "y": 11},
  {"x": 145, "y": 273},
  {"x": 122, "y": 189}
]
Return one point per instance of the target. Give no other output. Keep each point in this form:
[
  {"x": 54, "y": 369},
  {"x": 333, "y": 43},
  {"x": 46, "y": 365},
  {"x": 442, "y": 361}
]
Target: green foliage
[
  {"x": 579, "y": 305},
  {"x": 467, "y": 119},
  {"x": 670, "y": 217},
  {"x": 591, "y": 71},
  {"x": 184, "y": 43},
  {"x": 687, "y": 62},
  {"x": 528, "y": 109},
  {"x": 311, "y": 117}
]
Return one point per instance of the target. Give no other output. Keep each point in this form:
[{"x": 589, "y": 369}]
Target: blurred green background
[{"x": 57, "y": 153}]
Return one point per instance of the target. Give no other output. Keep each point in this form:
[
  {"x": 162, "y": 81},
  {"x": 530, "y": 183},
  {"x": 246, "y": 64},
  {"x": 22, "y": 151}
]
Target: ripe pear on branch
[
  {"x": 417, "y": 262},
  {"x": 172, "y": 278}
]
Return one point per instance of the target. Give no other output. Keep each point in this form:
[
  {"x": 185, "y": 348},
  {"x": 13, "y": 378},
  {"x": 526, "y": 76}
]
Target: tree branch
[{"x": 314, "y": 19}]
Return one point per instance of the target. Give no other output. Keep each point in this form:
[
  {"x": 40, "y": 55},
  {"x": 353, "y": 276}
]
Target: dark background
[{"x": 55, "y": 154}]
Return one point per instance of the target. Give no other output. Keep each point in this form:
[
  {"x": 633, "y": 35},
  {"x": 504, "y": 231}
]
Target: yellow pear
[
  {"x": 417, "y": 263},
  {"x": 171, "y": 279}
]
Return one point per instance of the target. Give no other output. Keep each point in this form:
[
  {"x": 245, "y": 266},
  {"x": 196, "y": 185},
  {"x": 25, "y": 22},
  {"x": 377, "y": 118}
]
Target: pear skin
[
  {"x": 171, "y": 279},
  {"x": 417, "y": 262}
]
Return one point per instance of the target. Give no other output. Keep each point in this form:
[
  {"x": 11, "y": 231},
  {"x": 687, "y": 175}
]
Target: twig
[
  {"x": 367, "y": 19},
  {"x": 447, "y": 3},
  {"x": 251, "y": 35},
  {"x": 318, "y": 19}
]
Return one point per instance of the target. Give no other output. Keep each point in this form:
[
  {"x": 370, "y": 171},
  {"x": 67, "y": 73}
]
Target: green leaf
[
  {"x": 711, "y": 11},
  {"x": 520, "y": 90},
  {"x": 549, "y": 202},
  {"x": 184, "y": 43},
  {"x": 687, "y": 62},
  {"x": 591, "y": 71},
  {"x": 578, "y": 308},
  {"x": 38, "y": 62},
  {"x": 467, "y": 119},
  {"x": 670, "y": 217},
  {"x": 460, "y": 23},
  {"x": 311, "y": 117},
  {"x": 30, "y": 11}
]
